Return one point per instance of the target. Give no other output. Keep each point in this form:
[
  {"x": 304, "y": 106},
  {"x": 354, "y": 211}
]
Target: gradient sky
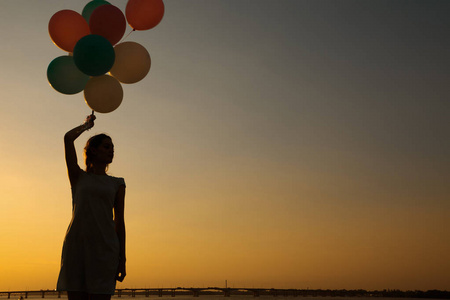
[{"x": 274, "y": 143}]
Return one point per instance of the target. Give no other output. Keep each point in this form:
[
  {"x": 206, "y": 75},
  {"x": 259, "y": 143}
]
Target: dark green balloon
[
  {"x": 64, "y": 76},
  {"x": 90, "y": 7},
  {"x": 93, "y": 55}
]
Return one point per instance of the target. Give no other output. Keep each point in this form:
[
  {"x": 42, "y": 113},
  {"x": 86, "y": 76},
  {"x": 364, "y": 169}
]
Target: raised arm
[{"x": 71, "y": 155}]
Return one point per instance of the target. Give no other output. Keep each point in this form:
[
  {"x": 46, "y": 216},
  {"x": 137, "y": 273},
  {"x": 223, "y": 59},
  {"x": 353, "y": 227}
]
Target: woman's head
[{"x": 99, "y": 149}]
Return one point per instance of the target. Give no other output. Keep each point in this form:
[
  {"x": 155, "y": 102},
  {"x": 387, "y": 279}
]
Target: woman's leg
[
  {"x": 99, "y": 297},
  {"x": 77, "y": 295}
]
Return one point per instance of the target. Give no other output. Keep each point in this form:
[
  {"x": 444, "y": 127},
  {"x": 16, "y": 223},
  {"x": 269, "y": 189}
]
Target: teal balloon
[
  {"x": 64, "y": 76},
  {"x": 90, "y": 7},
  {"x": 93, "y": 55}
]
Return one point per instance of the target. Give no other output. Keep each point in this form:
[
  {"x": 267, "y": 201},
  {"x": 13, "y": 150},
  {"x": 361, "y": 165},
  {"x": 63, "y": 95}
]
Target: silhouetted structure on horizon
[{"x": 256, "y": 292}]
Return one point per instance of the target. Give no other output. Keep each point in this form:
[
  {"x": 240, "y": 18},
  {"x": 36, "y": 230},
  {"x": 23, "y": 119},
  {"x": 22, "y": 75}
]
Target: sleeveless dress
[{"x": 90, "y": 254}]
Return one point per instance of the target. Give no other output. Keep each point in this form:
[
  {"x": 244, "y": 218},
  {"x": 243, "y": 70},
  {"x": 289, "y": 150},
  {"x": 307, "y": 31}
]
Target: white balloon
[
  {"x": 103, "y": 94},
  {"x": 132, "y": 62}
]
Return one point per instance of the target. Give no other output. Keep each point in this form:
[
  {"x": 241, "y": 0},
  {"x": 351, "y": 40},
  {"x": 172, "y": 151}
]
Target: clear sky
[{"x": 287, "y": 143}]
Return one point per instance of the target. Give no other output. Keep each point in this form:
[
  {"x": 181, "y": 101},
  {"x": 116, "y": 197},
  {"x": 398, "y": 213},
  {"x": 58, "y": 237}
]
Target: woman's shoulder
[{"x": 118, "y": 180}]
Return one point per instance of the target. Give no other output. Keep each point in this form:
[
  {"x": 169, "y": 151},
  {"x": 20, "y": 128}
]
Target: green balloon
[
  {"x": 93, "y": 55},
  {"x": 90, "y": 7},
  {"x": 64, "y": 76}
]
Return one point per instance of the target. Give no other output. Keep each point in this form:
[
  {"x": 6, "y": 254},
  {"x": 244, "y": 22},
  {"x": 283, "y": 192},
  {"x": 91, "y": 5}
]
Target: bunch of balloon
[{"x": 96, "y": 62}]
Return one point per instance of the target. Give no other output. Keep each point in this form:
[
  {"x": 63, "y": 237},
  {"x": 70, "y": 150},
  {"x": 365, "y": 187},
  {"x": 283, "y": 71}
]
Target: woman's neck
[{"x": 98, "y": 169}]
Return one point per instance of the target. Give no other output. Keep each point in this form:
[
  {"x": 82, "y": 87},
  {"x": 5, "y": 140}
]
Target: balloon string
[{"x": 127, "y": 35}]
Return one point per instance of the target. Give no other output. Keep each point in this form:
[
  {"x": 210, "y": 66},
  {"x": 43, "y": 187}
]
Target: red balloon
[
  {"x": 108, "y": 21},
  {"x": 144, "y": 14},
  {"x": 66, "y": 28}
]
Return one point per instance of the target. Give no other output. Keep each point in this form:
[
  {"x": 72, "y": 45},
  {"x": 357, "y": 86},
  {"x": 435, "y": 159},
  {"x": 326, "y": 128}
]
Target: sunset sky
[{"x": 274, "y": 143}]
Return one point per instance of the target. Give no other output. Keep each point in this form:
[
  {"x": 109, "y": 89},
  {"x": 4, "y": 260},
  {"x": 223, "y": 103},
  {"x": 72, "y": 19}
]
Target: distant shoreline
[{"x": 255, "y": 292}]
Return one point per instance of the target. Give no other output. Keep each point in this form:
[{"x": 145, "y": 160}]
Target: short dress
[{"x": 90, "y": 254}]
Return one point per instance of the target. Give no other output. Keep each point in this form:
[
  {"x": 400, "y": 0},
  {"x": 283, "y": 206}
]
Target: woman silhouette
[{"x": 93, "y": 255}]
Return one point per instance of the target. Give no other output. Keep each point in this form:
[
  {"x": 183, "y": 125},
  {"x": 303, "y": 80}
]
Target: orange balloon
[
  {"x": 132, "y": 62},
  {"x": 66, "y": 28},
  {"x": 103, "y": 93},
  {"x": 144, "y": 14}
]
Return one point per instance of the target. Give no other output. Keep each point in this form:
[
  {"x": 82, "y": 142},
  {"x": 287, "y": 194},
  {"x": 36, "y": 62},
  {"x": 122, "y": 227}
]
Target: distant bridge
[
  {"x": 195, "y": 292},
  {"x": 256, "y": 292}
]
